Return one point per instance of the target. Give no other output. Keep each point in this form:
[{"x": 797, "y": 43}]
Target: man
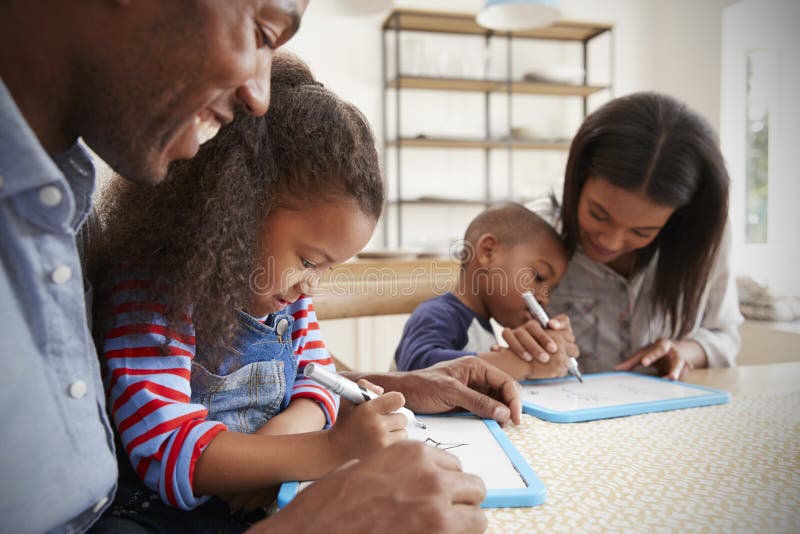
[{"x": 142, "y": 83}]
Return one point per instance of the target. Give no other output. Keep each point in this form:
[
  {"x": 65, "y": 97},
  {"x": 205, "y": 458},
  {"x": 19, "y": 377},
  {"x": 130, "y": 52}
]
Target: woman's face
[
  {"x": 613, "y": 221},
  {"x": 298, "y": 245}
]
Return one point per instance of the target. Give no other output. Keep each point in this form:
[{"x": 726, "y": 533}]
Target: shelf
[
  {"x": 443, "y": 84},
  {"x": 492, "y": 86},
  {"x": 506, "y": 142},
  {"x": 439, "y": 201},
  {"x": 540, "y": 88},
  {"x": 464, "y": 24},
  {"x": 444, "y": 142}
]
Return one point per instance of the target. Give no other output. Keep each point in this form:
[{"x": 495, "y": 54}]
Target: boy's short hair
[{"x": 511, "y": 223}]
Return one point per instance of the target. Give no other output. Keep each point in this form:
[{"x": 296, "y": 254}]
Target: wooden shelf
[
  {"x": 443, "y": 84},
  {"x": 462, "y": 28},
  {"x": 492, "y": 86},
  {"x": 439, "y": 201},
  {"x": 444, "y": 142},
  {"x": 464, "y": 23},
  {"x": 539, "y": 88}
]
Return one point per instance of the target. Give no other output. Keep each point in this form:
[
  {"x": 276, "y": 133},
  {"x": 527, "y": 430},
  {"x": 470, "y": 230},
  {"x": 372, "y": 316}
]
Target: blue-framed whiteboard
[
  {"x": 607, "y": 395},
  {"x": 483, "y": 448}
]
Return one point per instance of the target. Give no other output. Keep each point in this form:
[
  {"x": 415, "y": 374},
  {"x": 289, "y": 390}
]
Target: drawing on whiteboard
[
  {"x": 570, "y": 394},
  {"x": 444, "y": 446},
  {"x": 600, "y": 391}
]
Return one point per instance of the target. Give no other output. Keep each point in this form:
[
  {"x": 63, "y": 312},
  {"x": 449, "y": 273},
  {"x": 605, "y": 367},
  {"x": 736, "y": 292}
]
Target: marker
[
  {"x": 350, "y": 390},
  {"x": 540, "y": 315}
]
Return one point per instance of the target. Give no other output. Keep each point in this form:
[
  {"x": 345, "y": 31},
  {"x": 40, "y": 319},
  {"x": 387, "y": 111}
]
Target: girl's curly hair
[{"x": 195, "y": 236}]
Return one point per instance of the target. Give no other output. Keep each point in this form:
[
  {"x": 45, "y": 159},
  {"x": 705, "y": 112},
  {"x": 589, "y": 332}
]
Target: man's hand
[
  {"x": 468, "y": 383},
  {"x": 406, "y": 488}
]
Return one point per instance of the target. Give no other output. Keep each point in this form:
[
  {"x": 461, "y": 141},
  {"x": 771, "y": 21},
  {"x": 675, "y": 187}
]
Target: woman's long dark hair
[
  {"x": 195, "y": 236},
  {"x": 651, "y": 143}
]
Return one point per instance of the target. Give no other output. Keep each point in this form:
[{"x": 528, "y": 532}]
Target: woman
[{"x": 644, "y": 214}]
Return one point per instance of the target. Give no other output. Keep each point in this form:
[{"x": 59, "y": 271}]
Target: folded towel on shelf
[{"x": 759, "y": 303}]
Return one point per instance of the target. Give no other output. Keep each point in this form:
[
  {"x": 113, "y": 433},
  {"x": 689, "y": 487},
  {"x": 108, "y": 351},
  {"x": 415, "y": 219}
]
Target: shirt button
[
  {"x": 281, "y": 327},
  {"x": 99, "y": 506},
  {"x": 77, "y": 390},
  {"x": 50, "y": 196},
  {"x": 61, "y": 274}
]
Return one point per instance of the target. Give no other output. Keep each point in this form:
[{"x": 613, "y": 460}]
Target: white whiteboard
[
  {"x": 472, "y": 442},
  {"x": 605, "y": 390}
]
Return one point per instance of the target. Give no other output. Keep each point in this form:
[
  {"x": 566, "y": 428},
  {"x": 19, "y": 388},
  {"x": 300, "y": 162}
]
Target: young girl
[
  {"x": 644, "y": 215},
  {"x": 203, "y": 320}
]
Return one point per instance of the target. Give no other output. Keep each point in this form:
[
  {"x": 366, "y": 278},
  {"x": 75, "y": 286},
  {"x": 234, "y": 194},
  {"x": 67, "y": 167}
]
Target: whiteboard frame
[
  {"x": 534, "y": 494},
  {"x": 717, "y": 396}
]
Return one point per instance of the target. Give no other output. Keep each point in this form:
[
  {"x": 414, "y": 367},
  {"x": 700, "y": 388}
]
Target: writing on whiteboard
[{"x": 604, "y": 390}]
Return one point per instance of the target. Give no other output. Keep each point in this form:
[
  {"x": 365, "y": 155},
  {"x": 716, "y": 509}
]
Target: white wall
[
  {"x": 671, "y": 46},
  {"x": 687, "y": 52},
  {"x": 765, "y": 25},
  {"x": 665, "y": 45}
]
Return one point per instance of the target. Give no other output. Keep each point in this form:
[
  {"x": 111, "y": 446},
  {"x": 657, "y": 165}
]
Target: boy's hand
[
  {"x": 368, "y": 427},
  {"x": 530, "y": 341},
  {"x": 507, "y": 360}
]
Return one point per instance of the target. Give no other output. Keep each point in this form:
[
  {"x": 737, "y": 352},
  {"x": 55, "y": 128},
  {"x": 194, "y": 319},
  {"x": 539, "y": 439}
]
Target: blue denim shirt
[{"x": 57, "y": 465}]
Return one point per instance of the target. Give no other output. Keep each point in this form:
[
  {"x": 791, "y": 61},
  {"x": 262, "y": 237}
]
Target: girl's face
[
  {"x": 299, "y": 244},
  {"x": 613, "y": 221}
]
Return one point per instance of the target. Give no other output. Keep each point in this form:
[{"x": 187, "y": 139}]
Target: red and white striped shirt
[{"x": 149, "y": 394}]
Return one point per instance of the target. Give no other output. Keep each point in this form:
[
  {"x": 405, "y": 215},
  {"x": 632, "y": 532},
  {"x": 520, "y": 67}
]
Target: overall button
[
  {"x": 77, "y": 390},
  {"x": 281, "y": 327},
  {"x": 61, "y": 274},
  {"x": 99, "y": 506},
  {"x": 50, "y": 196}
]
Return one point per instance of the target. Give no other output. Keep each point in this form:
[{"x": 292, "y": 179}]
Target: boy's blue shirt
[{"x": 442, "y": 329}]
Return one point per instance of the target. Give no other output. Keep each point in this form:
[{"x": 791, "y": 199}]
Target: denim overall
[{"x": 252, "y": 384}]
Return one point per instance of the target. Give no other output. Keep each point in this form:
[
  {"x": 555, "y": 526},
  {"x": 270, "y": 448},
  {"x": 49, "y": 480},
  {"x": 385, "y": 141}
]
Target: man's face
[{"x": 177, "y": 72}]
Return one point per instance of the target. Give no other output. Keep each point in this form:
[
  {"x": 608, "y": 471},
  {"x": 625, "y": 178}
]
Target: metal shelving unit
[{"x": 436, "y": 22}]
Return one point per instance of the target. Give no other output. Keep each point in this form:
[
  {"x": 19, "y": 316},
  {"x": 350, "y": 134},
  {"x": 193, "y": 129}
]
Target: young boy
[{"x": 508, "y": 249}]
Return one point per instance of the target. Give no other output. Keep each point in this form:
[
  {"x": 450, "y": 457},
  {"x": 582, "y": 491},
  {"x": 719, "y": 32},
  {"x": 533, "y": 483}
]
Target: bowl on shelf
[
  {"x": 388, "y": 254},
  {"x": 555, "y": 74}
]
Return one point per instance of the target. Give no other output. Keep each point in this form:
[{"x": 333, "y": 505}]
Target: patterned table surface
[{"x": 727, "y": 468}]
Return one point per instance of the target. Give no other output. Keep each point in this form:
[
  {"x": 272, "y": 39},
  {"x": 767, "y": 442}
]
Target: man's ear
[{"x": 485, "y": 248}]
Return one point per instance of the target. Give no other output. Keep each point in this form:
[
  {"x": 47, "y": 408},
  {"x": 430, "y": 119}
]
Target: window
[{"x": 762, "y": 80}]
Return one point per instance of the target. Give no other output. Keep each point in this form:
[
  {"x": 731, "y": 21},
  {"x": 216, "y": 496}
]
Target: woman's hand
[
  {"x": 368, "y": 427},
  {"x": 673, "y": 359},
  {"x": 531, "y": 340}
]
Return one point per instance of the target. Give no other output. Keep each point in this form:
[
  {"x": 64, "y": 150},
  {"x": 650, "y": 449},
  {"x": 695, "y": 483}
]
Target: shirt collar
[
  {"x": 604, "y": 271},
  {"x": 24, "y": 163}
]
